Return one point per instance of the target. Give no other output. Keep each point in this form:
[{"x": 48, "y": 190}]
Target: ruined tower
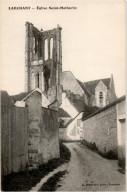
[{"x": 43, "y": 61}]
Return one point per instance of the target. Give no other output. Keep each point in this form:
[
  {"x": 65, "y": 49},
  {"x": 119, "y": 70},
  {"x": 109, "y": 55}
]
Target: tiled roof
[
  {"x": 83, "y": 87},
  {"x": 79, "y": 104},
  {"x": 92, "y": 84},
  {"x": 6, "y": 100},
  {"x": 63, "y": 113},
  {"x": 90, "y": 111}
]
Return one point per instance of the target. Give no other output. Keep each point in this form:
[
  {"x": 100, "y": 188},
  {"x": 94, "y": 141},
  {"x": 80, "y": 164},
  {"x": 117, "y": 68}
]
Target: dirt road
[{"x": 87, "y": 171}]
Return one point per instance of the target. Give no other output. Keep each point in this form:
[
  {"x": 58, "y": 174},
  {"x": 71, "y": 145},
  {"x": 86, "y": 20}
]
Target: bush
[{"x": 121, "y": 163}]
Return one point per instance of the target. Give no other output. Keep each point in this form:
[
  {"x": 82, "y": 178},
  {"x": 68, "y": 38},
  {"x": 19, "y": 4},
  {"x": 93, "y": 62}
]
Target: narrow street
[{"x": 87, "y": 171}]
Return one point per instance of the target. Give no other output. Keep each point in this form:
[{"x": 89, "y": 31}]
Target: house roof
[
  {"x": 23, "y": 95},
  {"x": 6, "y": 100},
  {"x": 20, "y": 96},
  {"x": 79, "y": 104},
  {"x": 89, "y": 111},
  {"x": 63, "y": 113},
  {"x": 69, "y": 122},
  {"x": 92, "y": 84}
]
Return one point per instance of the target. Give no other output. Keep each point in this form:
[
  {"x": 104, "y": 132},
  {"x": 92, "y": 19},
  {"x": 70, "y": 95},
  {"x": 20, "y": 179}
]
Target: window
[
  {"x": 35, "y": 45},
  {"x": 40, "y": 47},
  {"x": 51, "y": 47},
  {"x": 101, "y": 97},
  {"x": 37, "y": 80},
  {"x": 46, "y": 49}
]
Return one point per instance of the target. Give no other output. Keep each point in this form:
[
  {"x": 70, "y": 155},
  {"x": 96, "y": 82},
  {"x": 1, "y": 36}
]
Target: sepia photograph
[{"x": 62, "y": 96}]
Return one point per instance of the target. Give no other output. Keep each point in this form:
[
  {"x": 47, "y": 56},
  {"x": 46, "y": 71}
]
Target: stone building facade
[
  {"x": 97, "y": 93},
  {"x": 43, "y": 61},
  {"x": 102, "y": 92}
]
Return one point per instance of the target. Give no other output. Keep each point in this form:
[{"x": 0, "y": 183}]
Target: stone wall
[
  {"x": 49, "y": 136},
  {"x": 33, "y": 103},
  {"x": 101, "y": 129},
  {"x": 43, "y": 141}
]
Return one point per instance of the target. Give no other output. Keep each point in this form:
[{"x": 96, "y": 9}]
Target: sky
[{"x": 93, "y": 39}]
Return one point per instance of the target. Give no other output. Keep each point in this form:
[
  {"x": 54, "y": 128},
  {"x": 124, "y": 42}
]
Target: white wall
[
  {"x": 73, "y": 131},
  {"x": 67, "y": 106}
]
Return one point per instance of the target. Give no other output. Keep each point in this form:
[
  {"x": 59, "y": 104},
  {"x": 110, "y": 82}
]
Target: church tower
[{"x": 43, "y": 61}]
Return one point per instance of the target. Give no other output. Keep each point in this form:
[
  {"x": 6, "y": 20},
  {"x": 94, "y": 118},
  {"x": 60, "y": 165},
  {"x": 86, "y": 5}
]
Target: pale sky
[{"x": 93, "y": 39}]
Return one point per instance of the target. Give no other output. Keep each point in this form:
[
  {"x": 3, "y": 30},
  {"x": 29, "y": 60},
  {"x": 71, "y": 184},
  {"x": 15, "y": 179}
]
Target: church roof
[
  {"x": 91, "y": 85},
  {"x": 6, "y": 100},
  {"x": 63, "y": 113},
  {"x": 83, "y": 87}
]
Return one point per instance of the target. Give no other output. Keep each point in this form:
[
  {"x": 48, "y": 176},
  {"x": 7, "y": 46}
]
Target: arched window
[
  {"x": 46, "y": 49},
  {"x": 35, "y": 44},
  {"x": 39, "y": 47},
  {"x": 51, "y": 47},
  {"x": 36, "y": 80},
  {"x": 101, "y": 97}
]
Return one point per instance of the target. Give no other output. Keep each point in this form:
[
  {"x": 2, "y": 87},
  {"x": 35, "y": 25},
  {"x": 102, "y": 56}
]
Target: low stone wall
[{"x": 101, "y": 129}]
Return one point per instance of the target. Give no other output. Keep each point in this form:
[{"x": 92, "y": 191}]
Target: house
[
  {"x": 68, "y": 106},
  {"x": 73, "y": 130},
  {"x": 74, "y": 106}
]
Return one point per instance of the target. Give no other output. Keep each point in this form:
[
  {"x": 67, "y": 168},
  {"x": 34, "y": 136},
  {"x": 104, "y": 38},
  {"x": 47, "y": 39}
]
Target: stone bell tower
[{"x": 43, "y": 61}]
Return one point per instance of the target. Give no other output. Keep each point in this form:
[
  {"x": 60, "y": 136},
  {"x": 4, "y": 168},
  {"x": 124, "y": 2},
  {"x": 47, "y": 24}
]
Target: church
[{"x": 97, "y": 93}]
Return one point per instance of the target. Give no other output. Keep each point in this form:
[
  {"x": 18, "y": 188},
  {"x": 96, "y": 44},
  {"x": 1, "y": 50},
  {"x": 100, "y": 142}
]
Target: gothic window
[
  {"x": 37, "y": 80},
  {"x": 51, "y": 48},
  {"x": 101, "y": 97},
  {"x": 40, "y": 47},
  {"x": 35, "y": 45},
  {"x": 46, "y": 49}
]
